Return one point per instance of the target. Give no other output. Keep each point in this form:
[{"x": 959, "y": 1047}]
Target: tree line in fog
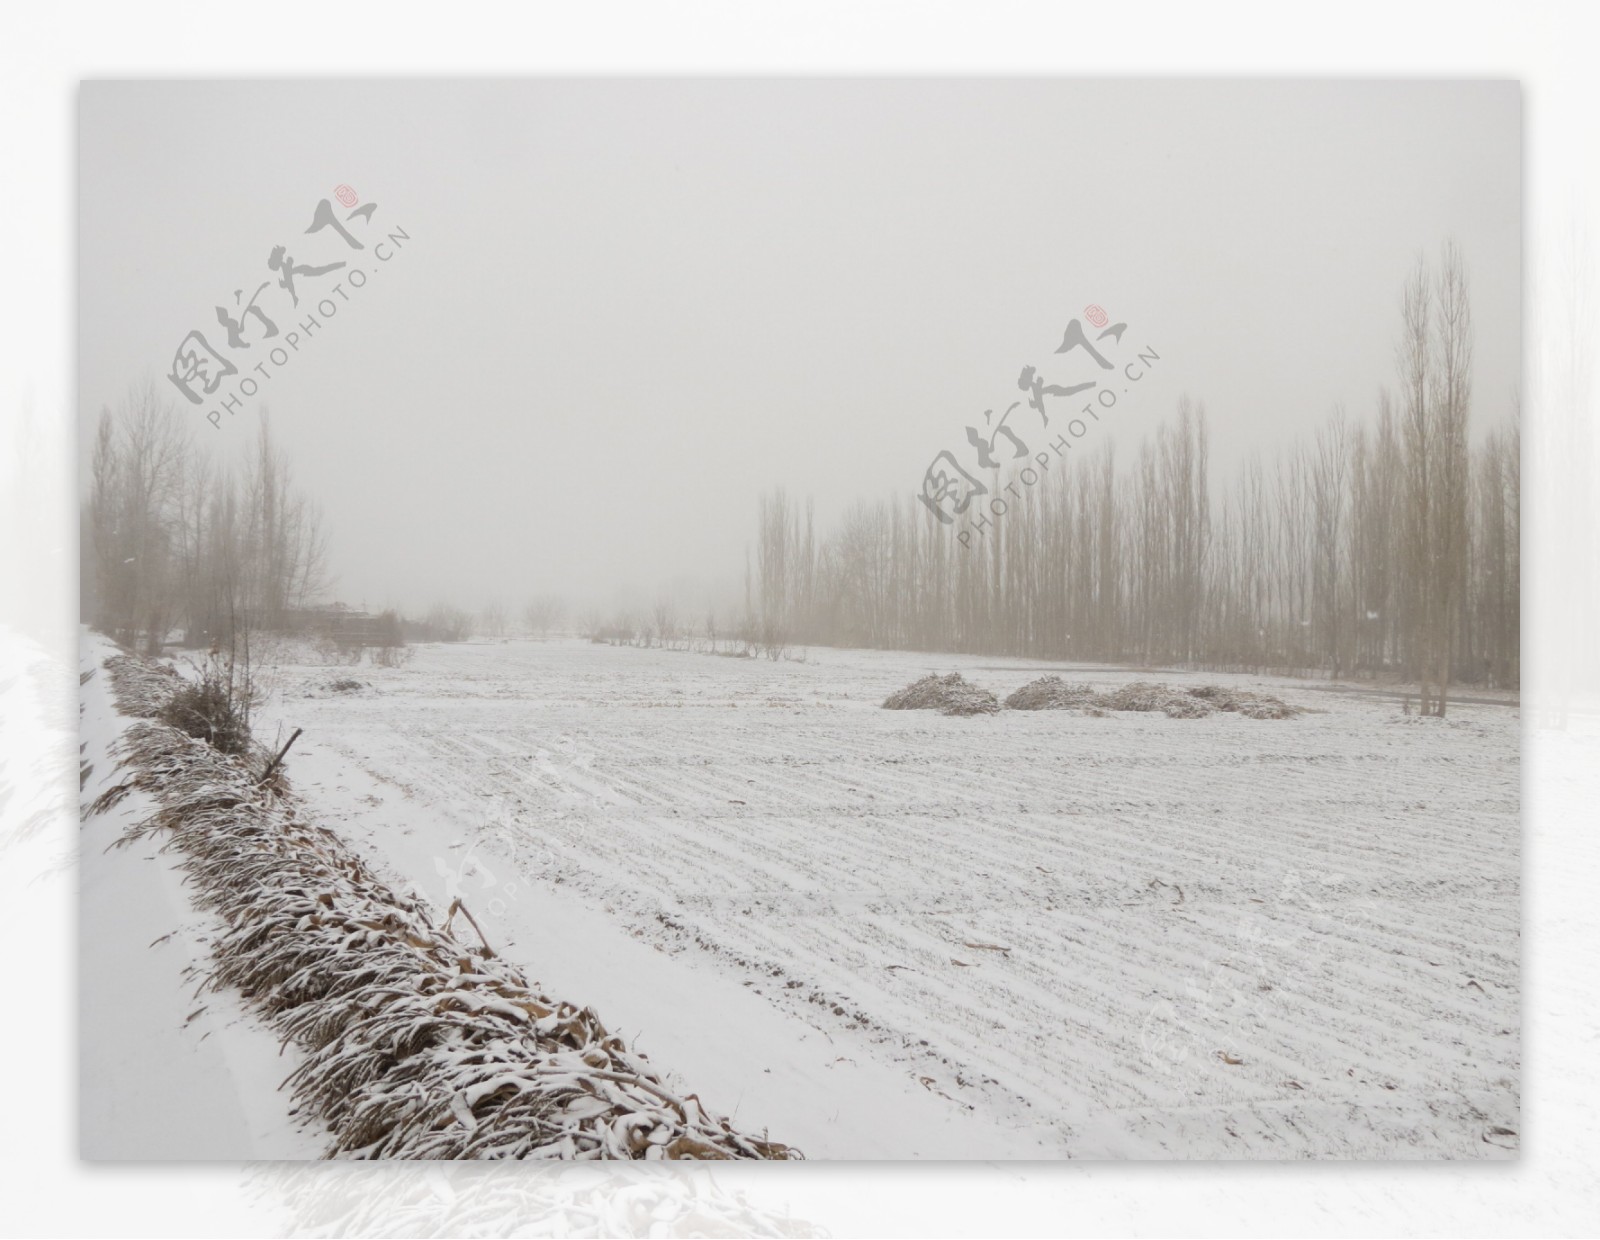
[
  {"x": 174, "y": 539},
  {"x": 177, "y": 544},
  {"x": 1387, "y": 546}
]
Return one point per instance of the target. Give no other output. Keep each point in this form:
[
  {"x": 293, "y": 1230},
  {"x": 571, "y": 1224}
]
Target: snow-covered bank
[
  {"x": 165, "y": 1073},
  {"x": 416, "y": 1043}
]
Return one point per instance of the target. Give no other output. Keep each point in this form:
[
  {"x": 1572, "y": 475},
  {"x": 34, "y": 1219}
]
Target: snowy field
[{"x": 899, "y": 934}]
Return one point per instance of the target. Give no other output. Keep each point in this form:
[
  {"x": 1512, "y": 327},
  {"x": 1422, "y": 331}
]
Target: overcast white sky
[{"x": 628, "y": 307}]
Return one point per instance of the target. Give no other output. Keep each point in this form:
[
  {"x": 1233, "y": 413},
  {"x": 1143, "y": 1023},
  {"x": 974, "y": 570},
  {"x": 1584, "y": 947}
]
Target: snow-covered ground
[
  {"x": 166, "y": 1071},
  {"x": 882, "y": 934}
]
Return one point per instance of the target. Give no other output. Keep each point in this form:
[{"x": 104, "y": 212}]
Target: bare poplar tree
[
  {"x": 1330, "y": 481},
  {"x": 1449, "y": 411},
  {"x": 1419, "y": 600}
]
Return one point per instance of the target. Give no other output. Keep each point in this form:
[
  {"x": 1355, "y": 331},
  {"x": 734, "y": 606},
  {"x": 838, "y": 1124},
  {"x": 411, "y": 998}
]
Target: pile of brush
[
  {"x": 1145, "y": 696},
  {"x": 949, "y": 695},
  {"x": 1251, "y": 705},
  {"x": 1052, "y": 693},
  {"x": 416, "y": 1045}
]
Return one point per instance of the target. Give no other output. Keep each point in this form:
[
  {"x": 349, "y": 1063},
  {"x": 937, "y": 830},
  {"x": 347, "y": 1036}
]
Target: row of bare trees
[
  {"x": 1389, "y": 548},
  {"x": 175, "y": 541}
]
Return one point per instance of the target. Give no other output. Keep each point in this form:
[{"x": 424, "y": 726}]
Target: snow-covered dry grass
[
  {"x": 416, "y": 1044},
  {"x": 164, "y": 1074},
  {"x": 881, "y": 933}
]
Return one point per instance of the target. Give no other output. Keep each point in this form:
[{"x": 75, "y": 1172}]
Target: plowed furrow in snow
[{"x": 1075, "y": 925}]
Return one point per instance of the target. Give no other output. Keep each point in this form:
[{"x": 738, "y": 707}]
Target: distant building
[{"x": 345, "y": 625}]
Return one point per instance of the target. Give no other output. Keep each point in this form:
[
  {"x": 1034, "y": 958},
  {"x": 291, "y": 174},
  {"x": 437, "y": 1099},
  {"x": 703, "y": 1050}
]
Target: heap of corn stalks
[
  {"x": 1251, "y": 705},
  {"x": 1052, "y": 693},
  {"x": 1145, "y": 696},
  {"x": 416, "y": 1045},
  {"x": 949, "y": 695},
  {"x": 142, "y": 688}
]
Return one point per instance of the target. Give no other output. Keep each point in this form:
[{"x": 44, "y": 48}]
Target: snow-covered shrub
[
  {"x": 325, "y": 650},
  {"x": 210, "y": 709},
  {"x": 391, "y": 656}
]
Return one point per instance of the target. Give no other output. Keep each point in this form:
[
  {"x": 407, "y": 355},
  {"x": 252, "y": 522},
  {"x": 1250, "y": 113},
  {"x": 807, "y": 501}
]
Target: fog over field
[
  {"x": 628, "y": 308},
  {"x": 852, "y": 619}
]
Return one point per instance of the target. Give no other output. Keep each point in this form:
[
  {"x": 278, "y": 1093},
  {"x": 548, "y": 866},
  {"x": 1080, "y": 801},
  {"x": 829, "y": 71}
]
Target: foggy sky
[{"x": 627, "y": 307}]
